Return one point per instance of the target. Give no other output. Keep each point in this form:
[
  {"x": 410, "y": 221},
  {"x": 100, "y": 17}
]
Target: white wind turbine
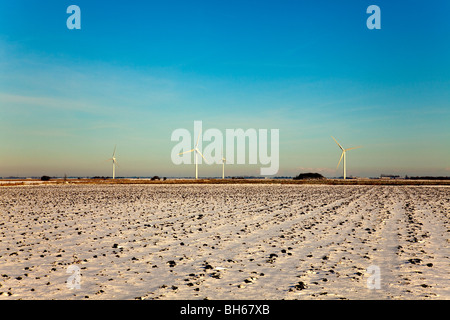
[
  {"x": 114, "y": 163},
  {"x": 344, "y": 151},
  {"x": 197, "y": 151},
  {"x": 223, "y": 166}
]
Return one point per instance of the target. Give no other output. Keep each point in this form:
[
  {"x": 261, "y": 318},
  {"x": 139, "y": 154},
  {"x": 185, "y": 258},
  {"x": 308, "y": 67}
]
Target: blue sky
[{"x": 138, "y": 70}]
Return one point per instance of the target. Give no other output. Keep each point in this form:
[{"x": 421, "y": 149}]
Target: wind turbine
[
  {"x": 114, "y": 162},
  {"x": 197, "y": 152},
  {"x": 223, "y": 166},
  {"x": 343, "y": 156}
]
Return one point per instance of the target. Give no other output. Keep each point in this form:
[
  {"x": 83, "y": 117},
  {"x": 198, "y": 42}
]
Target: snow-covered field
[
  {"x": 24, "y": 182},
  {"x": 224, "y": 241}
]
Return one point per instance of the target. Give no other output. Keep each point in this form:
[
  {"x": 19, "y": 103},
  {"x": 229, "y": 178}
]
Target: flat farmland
[{"x": 224, "y": 241}]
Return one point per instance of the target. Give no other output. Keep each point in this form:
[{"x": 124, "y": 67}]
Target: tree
[{"x": 309, "y": 175}]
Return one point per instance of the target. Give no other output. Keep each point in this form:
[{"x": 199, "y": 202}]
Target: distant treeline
[
  {"x": 427, "y": 178},
  {"x": 309, "y": 175}
]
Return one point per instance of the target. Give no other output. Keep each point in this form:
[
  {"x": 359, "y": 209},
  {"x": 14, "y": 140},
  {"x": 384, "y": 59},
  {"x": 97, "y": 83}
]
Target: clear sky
[{"x": 138, "y": 70}]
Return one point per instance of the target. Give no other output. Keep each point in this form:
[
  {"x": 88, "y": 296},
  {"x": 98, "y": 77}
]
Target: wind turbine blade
[
  {"x": 353, "y": 148},
  {"x": 114, "y": 153},
  {"x": 186, "y": 151},
  {"x": 202, "y": 156},
  {"x": 342, "y": 154},
  {"x": 198, "y": 138},
  {"x": 337, "y": 143}
]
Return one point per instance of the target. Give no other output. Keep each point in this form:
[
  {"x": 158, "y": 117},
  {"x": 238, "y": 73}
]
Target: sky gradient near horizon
[{"x": 136, "y": 71}]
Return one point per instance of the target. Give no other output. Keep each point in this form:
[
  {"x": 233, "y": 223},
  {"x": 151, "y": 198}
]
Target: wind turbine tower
[
  {"x": 344, "y": 151},
  {"x": 223, "y": 166},
  {"x": 197, "y": 152},
  {"x": 114, "y": 163}
]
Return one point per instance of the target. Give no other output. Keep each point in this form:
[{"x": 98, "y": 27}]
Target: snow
[{"x": 224, "y": 241}]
